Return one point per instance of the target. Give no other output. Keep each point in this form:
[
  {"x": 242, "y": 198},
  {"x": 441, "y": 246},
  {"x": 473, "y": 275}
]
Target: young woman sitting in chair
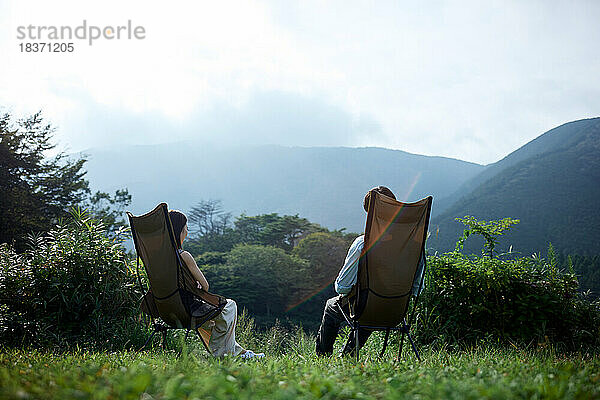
[{"x": 222, "y": 339}]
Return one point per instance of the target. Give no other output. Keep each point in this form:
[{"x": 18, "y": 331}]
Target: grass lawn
[{"x": 292, "y": 371}]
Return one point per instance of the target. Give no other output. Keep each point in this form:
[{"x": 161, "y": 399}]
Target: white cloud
[{"x": 473, "y": 81}]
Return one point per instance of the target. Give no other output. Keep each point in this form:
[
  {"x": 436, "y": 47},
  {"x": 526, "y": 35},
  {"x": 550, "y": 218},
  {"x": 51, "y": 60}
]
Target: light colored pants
[{"x": 222, "y": 338}]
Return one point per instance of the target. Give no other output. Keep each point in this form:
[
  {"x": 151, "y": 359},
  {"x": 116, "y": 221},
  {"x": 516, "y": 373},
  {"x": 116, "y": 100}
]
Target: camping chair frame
[
  {"x": 404, "y": 329},
  {"x": 164, "y": 328},
  {"x": 354, "y": 300},
  {"x": 182, "y": 270}
]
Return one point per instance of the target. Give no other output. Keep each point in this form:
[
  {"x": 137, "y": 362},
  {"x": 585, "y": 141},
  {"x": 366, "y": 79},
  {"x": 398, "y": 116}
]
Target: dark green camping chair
[
  {"x": 173, "y": 295},
  {"x": 394, "y": 246}
]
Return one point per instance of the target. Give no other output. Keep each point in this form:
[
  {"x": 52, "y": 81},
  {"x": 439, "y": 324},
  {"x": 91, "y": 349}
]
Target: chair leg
[
  {"x": 387, "y": 336},
  {"x": 147, "y": 341},
  {"x": 164, "y": 340},
  {"x": 414, "y": 347},
  {"x": 400, "y": 345},
  {"x": 356, "y": 344}
]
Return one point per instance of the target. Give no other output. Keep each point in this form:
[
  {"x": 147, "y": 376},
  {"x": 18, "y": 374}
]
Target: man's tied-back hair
[{"x": 379, "y": 189}]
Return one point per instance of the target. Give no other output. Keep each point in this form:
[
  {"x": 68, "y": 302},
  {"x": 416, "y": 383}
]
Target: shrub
[
  {"x": 71, "y": 285},
  {"x": 525, "y": 300}
]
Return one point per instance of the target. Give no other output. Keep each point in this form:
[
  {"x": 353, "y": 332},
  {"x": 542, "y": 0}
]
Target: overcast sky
[{"x": 469, "y": 80}]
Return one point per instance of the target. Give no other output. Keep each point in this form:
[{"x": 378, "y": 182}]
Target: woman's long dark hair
[{"x": 178, "y": 220}]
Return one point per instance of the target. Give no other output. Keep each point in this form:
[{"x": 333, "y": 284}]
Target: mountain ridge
[
  {"x": 553, "y": 190},
  {"x": 323, "y": 184},
  {"x": 326, "y": 184},
  {"x": 552, "y": 138}
]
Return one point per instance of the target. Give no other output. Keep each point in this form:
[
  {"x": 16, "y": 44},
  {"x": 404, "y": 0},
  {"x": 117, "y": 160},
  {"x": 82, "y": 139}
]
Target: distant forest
[
  {"x": 275, "y": 266},
  {"x": 283, "y": 267}
]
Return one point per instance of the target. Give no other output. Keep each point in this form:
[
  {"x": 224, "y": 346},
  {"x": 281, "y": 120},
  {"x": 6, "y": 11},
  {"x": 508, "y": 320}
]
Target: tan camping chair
[
  {"x": 394, "y": 246},
  {"x": 173, "y": 295}
]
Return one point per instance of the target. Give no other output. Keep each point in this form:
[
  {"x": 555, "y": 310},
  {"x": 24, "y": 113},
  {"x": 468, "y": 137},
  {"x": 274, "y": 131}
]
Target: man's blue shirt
[{"x": 347, "y": 276}]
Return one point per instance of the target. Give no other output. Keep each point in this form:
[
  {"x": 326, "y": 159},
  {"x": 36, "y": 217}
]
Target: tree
[
  {"x": 325, "y": 253},
  {"x": 35, "y": 191},
  {"x": 274, "y": 230},
  {"x": 210, "y": 229},
  {"x": 262, "y": 279},
  {"x": 249, "y": 229},
  {"x": 207, "y": 218},
  {"x": 110, "y": 210}
]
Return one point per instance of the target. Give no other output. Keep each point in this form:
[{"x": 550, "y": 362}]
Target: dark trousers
[{"x": 330, "y": 325}]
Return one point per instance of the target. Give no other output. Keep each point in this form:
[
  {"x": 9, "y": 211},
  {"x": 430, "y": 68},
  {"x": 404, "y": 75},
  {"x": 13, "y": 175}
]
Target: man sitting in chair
[{"x": 346, "y": 279}]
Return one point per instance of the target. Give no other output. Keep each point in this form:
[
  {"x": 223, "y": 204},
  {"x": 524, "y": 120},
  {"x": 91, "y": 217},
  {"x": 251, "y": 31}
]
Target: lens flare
[{"x": 322, "y": 286}]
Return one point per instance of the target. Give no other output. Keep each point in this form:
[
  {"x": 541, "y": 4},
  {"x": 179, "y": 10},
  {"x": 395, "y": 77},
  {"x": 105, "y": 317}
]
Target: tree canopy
[
  {"x": 35, "y": 190},
  {"x": 273, "y": 265}
]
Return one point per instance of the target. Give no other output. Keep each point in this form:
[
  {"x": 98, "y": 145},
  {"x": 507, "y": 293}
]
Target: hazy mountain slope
[
  {"x": 324, "y": 184},
  {"x": 561, "y": 137},
  {"x": 553, "y": 189}
]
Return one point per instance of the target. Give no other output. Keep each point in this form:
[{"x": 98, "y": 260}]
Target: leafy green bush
[
  {"x": 71, "y": 285},
  {"x": 587, "y": 269},
  {"x": 526, "y": 300}
]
